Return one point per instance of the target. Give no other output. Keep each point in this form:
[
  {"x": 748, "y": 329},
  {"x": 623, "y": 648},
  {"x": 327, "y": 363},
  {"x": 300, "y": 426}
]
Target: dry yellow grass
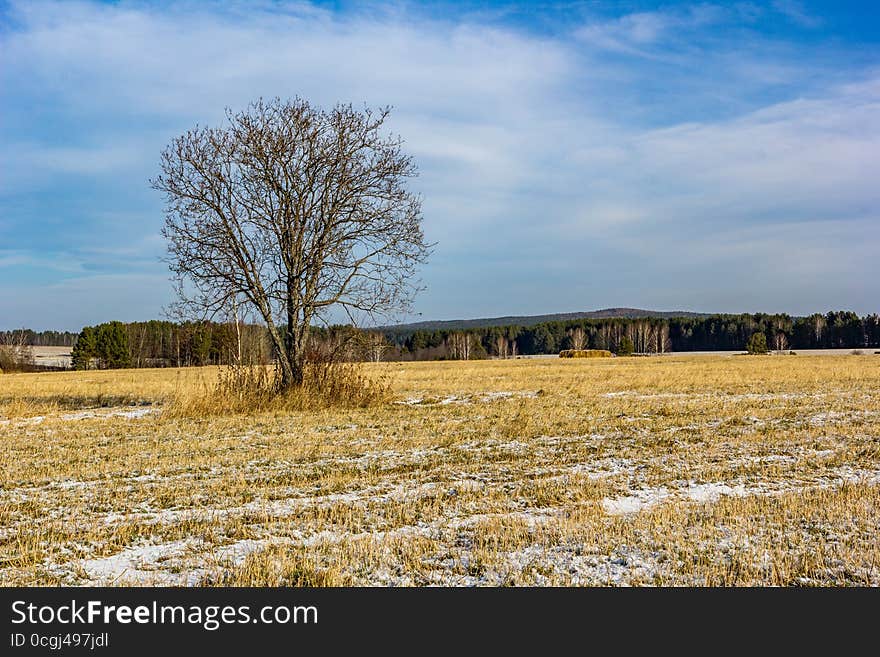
[
  {"x": 585, "y": 353},
  {"x": 672, "y": 470}
]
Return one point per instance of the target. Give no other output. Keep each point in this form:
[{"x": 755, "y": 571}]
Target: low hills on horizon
[
  {"x": 67, "y": 338},
  {"x": 532, "y": 320}
]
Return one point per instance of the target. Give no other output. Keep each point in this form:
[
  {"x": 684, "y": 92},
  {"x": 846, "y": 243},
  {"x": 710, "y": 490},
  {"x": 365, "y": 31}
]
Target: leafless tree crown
[{"x": 294, "y": 210}]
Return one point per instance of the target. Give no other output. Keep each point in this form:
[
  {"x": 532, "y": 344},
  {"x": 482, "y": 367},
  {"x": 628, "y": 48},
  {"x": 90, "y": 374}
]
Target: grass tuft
[{"x": 255, "y": 389}]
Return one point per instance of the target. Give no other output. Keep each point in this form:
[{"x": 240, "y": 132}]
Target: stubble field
[{"x": 677, "y": 471}]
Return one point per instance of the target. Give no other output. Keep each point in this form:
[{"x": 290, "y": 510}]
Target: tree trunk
[{"x": 292, "y": 360}]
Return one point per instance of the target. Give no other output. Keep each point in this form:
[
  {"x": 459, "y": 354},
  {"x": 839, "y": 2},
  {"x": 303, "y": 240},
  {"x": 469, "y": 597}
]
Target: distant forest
[
  {"x": 170, "y": 344},
  {"x": 841, "y": 329},
  {"x": 39, "y": 338}
]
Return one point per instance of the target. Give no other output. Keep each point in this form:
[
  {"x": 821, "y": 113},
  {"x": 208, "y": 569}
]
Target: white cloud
[{"x": 531, "y": 161}]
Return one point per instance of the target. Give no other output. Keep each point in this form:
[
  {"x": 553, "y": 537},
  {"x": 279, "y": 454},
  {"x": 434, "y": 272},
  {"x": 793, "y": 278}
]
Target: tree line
[
  {"x": 39, "y": 338},
  {"x": 113, "y": 345},
  {"x": 837, "y": 329},
  {"x": 169, "y": 344},
  {"x": 181, "y": 344}
]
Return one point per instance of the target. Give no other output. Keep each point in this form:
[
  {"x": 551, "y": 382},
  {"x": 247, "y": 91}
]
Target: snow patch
[
  {"x": 638, "y": 501},
  {"x": 178, "y": 563},
  {"x": 132, "y": 414},
  {"x": 713, "y": 491},
  {"x": 36, "y": 419},
  {"x": 137, "y": 564},
  {"x": 484, "y": 398}
]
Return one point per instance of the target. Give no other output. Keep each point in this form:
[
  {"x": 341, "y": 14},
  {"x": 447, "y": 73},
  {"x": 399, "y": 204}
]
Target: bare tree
[
  {"x": 780, "y": 342},
  {"x": 297, "y": 211},
  {"x": 664, "y": 343},
  {"x": 578, "y": 338},
  {"x": 455, "y": 345},
  {"x": 15, "y": 351},
  {"x": 373, "y": 346},
  {"x": 459, "y": 345}
]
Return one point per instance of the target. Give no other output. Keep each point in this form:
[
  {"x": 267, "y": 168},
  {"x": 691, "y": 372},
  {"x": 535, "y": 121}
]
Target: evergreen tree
[
  {"x": 625, "y": 348},
  {"x": 111, "y": 343},
  {"x": 543, "y": 341},
  {"x": 757, "y": 344},
  {"x": 84, "y": 350}
]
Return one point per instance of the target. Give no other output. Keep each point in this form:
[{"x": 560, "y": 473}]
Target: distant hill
[{"x": 531, "y": 320}]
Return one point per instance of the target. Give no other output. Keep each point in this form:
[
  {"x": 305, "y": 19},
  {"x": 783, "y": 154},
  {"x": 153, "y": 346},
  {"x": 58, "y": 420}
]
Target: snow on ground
[
  {"x": 483, "y": 398},
  {"x": 177, "y": 563},
  {"x": 141, "y": 564},
  {"x": 131, "y": 414},
  {"x": 97, "y": 413},
  {"x": 637, "y": 501},
  {"x": 713, "y": 491},
  {"x": 644, "y": 498},
  {"x": 187, "y": 562},
  {"x": 625, "y": 565},
  {"x": 36, "y": 419}
]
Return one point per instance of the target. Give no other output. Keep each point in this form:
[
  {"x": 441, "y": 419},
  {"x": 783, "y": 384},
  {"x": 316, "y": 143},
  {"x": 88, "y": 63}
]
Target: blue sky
[{"x": 573, "y": 155}]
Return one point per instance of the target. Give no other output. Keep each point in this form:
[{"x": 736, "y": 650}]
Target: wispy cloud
[
  {"x": 639, "y": 33},
  {"x": 796, "y": 13},
  {"x": 560, "y": 170}
]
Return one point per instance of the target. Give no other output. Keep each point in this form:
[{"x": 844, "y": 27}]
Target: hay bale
[{"x": 585, "y": 353}]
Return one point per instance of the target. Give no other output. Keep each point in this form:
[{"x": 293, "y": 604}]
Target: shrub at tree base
[{"x": 585, "y": 353}]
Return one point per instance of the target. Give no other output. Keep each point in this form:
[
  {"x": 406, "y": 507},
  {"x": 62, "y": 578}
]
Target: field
[
  {"x": 709, "y": 470},
  {"x": 52, "y": 356}
]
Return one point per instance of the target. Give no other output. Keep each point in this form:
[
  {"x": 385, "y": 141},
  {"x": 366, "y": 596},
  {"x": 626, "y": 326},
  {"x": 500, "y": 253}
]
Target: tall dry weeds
[{"x": 253, "y": 389}]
